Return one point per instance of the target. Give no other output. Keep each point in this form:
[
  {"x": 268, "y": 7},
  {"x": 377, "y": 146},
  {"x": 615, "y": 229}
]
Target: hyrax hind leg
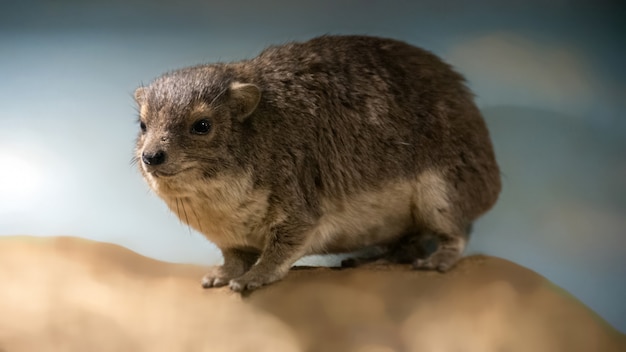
[
  {"x": 405, "y": 250},
  {"x": 436, "y": 216},
  {"x": 449, "y": 250}
]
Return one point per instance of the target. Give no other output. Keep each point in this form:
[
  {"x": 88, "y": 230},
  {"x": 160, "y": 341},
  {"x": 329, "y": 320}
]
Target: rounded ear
[
  {"x": 140, "y": 95},
  {"x": 244, "y": 98}
]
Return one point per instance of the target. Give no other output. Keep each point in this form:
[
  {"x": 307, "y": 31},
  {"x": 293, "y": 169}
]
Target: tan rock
[{"x": 68, "y": 294}]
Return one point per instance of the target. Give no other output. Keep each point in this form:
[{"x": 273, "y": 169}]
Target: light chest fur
[{"x": 227, "y": 210}]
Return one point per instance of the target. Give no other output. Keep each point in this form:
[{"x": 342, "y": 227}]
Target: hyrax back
[{"x": 331, "y": 145}]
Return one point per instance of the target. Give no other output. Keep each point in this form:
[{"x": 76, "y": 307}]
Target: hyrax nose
[{"x": 153, "y": 159}]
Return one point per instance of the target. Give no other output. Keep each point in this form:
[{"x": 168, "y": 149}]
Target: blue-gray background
[{"x": 549, "y": 77}]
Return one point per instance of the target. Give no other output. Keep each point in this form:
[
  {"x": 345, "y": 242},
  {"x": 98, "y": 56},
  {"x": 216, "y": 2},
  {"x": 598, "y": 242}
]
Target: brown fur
[{"x": 330, "y": 145}]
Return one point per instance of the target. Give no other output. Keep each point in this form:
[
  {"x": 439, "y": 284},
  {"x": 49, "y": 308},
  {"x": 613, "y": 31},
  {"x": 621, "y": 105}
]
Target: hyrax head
[{"x": 189, "y": 123}]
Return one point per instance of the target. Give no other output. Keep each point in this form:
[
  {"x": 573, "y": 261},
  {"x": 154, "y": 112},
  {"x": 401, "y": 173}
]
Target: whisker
[
  {"x": 218, "y": 95},
  {"x": 178, "y": 210},
  {"x": 133, "y": 160},
  {"x": 182, "y": 203},
  {"x": 197, "y": 219},
  {"x": 216, "y": 107}
]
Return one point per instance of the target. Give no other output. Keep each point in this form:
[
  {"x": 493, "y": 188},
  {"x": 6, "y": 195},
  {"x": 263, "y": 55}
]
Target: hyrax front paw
[
  {"x": 252, "y": 280},
  {"x": 217, "y": 277},
  {"x": 236, "y": 263}
]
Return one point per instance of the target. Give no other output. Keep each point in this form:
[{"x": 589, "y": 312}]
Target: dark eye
[
  {"x": 201, "y": 127},
  {"x": 143, "y": 127}
]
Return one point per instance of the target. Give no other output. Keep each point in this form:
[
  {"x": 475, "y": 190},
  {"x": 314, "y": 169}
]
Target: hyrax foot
[
  {"x": 236, "y": 263},
  {"x": 252, "y": 280},
  {"x": 447, "y": 254},
  {"x": 441, "y": 260},
  {"x": 217, "y": 277}
]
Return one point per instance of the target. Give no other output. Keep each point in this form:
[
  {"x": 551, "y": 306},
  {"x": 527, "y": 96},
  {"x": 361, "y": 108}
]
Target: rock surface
[{"x": 69, "y": 294}]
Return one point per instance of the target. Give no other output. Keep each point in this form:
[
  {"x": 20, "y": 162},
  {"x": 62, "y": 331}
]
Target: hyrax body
[{"x": 331, "y": 145}]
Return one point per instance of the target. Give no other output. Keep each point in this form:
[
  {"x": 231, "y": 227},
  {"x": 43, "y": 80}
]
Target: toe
[
  {"x": 236, "y": 285},
  {"x": 423, "y": 264},
  {"x": 240, "y": 285},
  {"x": 443, "y": 267},
  {"x": 440, "y": 261},
  {"x": 211, "y": 280},
  {"x": 207, "y": 282}
]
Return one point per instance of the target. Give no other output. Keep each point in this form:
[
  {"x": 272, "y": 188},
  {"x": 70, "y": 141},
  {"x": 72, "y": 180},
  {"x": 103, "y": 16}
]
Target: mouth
[{"x": 164, "y": 174}]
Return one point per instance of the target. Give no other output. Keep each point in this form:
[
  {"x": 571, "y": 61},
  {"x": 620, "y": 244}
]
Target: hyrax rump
[{"x": 330, "y": 145}]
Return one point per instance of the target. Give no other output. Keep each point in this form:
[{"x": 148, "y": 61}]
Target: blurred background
[{"x": 549, "y": 77}]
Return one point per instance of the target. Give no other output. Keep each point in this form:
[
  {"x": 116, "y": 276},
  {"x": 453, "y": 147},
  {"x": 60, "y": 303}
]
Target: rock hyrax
[{"x": 332, "y": 145}]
